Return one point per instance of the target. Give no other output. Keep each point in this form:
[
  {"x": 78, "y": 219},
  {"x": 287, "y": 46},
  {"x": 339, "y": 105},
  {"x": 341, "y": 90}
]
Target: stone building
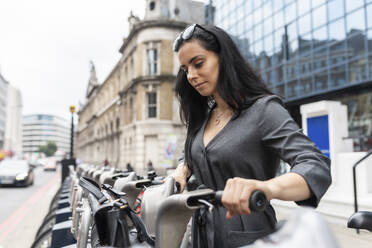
[
  {"x": 13, "y": 124},
  {"x": 3, "y": 100},
  {"x": 132, "y": 117}
]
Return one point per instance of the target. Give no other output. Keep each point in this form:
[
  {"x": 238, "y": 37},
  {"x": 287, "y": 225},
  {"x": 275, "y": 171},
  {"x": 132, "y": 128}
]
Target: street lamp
[{"x": 72, "y": 110}]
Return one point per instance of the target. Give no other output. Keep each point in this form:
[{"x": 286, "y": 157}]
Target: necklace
[{"x": 219, "y": 116}]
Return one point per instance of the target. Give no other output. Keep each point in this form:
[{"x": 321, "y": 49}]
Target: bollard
[{"x": 65, "y": 170}]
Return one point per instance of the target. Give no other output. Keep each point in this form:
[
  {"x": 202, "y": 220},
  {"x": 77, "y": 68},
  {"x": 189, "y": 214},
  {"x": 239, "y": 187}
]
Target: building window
[
  {"x": 152, "y": 63},
  {"x": 131, "y": 109},
  {"x": 117, "y": 123},
  {"x": 152, "y": 5},
  {"x": 132, "y": 67},
  {"x": 151, "y": 105}
]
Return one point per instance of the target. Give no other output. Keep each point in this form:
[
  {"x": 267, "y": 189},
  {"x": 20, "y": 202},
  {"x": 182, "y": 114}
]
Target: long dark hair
[{"x": 238, "y": 84}]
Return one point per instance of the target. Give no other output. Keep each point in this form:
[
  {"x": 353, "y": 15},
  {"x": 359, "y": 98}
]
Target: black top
[{"x": 251, "y": 146}]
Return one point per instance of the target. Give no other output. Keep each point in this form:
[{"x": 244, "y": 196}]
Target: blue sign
[{"x": 317, "y": 130}]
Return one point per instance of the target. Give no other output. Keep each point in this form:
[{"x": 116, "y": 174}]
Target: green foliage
[{"x": 49, "y": 149}]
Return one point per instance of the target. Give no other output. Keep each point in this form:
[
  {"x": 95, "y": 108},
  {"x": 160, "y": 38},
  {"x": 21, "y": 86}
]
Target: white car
[
  {"x": 16, "y": 172},
  {"x": 50, "y": 165}
]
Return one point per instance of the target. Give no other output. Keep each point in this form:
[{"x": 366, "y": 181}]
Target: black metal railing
[{"x": 355, "y": 181}]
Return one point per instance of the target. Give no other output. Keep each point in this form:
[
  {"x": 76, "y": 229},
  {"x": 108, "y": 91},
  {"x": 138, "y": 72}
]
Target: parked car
[
  {"x": 16, "y": 172},
  {"x": 50, "y": 165}
]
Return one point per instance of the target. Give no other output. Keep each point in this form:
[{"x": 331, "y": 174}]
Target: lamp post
[
  {"x": 67, "y": 162},
  {"x": 72, "y": 110}
]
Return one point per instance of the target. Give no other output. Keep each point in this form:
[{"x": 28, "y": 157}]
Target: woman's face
[{"x": 201, "y": 67}]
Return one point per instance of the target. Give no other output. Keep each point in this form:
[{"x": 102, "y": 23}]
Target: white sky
[{"x": 46, "y": 46}]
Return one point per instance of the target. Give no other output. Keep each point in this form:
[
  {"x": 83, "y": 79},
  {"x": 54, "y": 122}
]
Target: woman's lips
[{"x": 200, "y": 85}]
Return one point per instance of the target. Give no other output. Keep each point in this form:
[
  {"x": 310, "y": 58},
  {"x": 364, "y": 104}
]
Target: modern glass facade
[
  {"x": 39, "y": 129},
  {"x": 308, "y": 50}
]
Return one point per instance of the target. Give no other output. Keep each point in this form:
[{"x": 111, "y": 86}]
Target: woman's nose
[{"x": 191, "y": 75}]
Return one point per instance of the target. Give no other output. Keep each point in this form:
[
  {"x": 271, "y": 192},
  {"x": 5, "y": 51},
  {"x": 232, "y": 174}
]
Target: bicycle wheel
[
  {"x": 94, "y": 237},
  {"x": 54, "y": 203},
  {"x": 44, "y": 240},
  {"x": 51, "y": 211},
  {"x": 48, "y": 222}
]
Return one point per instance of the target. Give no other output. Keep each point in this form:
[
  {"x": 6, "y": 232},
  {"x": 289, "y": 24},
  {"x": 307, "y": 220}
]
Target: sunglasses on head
[{"x": 187, "y": 34}]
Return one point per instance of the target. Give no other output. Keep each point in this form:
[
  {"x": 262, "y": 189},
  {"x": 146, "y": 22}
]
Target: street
[{"x": 22, "y": 209}]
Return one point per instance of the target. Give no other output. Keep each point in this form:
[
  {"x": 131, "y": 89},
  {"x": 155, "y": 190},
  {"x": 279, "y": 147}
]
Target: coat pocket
[{"x": 240, "y": 238}]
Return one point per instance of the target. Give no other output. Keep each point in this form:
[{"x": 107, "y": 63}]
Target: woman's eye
[{"x": 198, "y": 65}]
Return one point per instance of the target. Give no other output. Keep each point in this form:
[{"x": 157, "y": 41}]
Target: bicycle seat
[{"x": 361, "y": 220}]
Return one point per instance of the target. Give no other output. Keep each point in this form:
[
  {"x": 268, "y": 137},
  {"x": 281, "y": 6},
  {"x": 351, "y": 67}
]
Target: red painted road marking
[{"x": 18, "y": 215}]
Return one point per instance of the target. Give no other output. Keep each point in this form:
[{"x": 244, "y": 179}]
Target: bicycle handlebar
[{"x": 257, "y": 200}]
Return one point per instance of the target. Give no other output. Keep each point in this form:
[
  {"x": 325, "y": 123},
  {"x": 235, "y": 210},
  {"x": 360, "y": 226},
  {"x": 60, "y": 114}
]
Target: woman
[{"x": 237, "y": 131}]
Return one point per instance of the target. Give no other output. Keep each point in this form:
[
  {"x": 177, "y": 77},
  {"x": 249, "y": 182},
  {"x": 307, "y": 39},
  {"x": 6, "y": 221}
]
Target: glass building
[
  {"x": 39, "y": 129},
  {"x": 308, "y": 50}
]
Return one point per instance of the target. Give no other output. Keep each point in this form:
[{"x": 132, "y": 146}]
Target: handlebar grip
[
  {"x": 257, "y": 200},
  {"x": 218, "y": 197}
]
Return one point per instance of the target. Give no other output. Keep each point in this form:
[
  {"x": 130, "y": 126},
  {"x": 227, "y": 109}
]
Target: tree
[{"x": 48, "y": 149}]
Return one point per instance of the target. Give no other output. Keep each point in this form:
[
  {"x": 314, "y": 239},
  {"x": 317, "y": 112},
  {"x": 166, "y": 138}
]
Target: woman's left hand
[{"x": 236, "y": 194}]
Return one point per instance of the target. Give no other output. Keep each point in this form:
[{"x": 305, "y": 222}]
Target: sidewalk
[
  {"x": 32, "y": 214},
  {"x": 346, "y": 237}
]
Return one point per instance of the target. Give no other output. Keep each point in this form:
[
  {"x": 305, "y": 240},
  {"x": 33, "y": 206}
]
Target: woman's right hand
[{"x": 180, "y": 175}]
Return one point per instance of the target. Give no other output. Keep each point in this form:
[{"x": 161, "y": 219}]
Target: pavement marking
[{"x": 11, "y": 222}]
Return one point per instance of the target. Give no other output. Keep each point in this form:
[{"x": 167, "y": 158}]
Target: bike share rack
[
  {"x": 162, "y": 218},
  {"x": 55, "y": 229},
  {"x": 68, "y": 223},
  {"x": 56, "y": 223}
]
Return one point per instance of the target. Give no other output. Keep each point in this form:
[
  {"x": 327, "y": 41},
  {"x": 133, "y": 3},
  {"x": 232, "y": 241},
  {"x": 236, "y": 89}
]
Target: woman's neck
[{"x": 221, "y": 104}]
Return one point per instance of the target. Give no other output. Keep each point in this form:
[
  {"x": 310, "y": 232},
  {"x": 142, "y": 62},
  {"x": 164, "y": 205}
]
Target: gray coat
[{"x": 250, "y": 146}]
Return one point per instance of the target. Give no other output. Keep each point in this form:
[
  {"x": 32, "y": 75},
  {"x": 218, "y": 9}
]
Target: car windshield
[{"x": 13, "y": 164}]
